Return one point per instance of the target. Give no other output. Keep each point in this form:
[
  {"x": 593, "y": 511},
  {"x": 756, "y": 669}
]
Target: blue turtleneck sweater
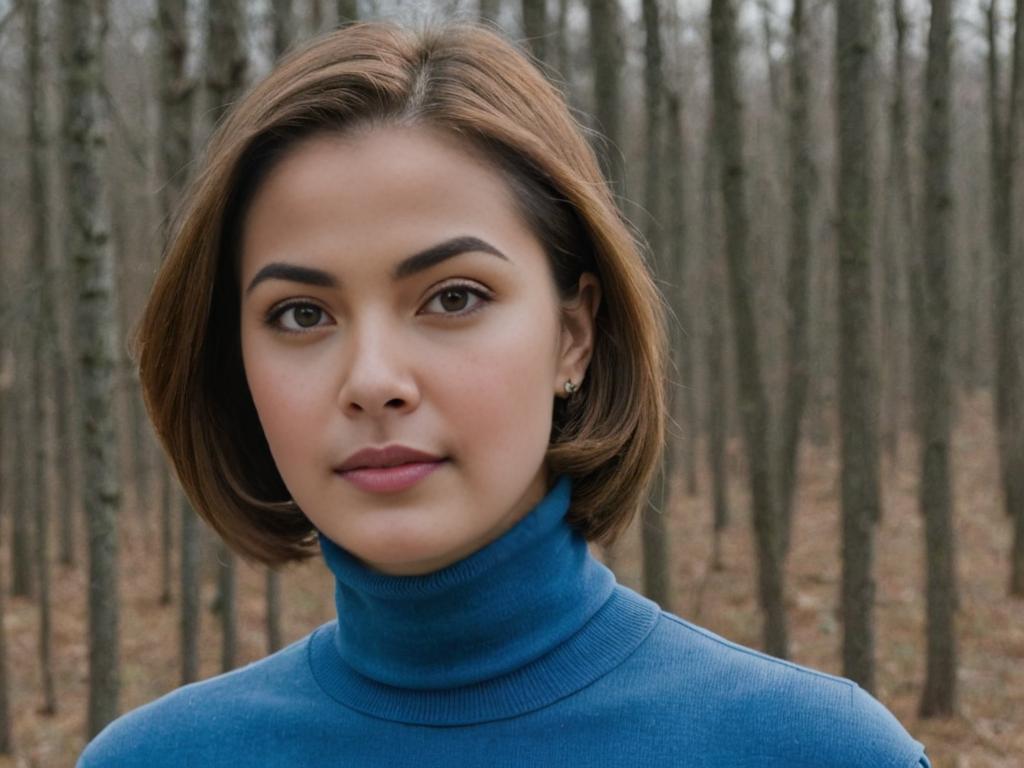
[{"x": 525, "y": 653}]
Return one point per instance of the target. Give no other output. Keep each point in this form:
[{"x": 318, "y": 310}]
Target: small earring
[{"x": 570, "y": 388}]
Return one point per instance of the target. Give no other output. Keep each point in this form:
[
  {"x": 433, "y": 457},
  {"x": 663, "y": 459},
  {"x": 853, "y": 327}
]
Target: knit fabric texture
[{"x": 525, "y": 653}]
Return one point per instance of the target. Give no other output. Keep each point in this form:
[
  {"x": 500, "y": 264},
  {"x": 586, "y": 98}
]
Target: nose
[{"x": 377, "y": 377}]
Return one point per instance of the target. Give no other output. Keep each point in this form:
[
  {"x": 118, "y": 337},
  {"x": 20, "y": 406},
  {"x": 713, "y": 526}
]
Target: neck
[{"x": 481, "y": 617}]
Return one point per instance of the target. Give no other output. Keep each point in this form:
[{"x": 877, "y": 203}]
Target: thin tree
[
  {"x": 715, "y": 342},
  {"x": 563, "y": 50},
  {"x": 678, "y": 249},
  {"x": 44, "y": 335},
  {"x": 653, "y": 534},
  {"x": 936, "y": 493},
  {"x": 1008, "y": 284},
  {"x": 488, "y": 10},
  {"x": 6, "y": 740},
  {"x": 84, "y": 139},
  {"x": 899, "y": 245},
  {"x": 226, "y": 63},
  {"x": 798, "y": 272},
  {"x": 729, "y": 133},
  {"x": 177, "y": 96},
  {"x": 535, "y": 27},
  {"x": 860, "y": 495},
  {"x": 606, "y": 61},
  {"x": 283, "y": 26},
  {"x": 1016, "y": 162},
  {"x": 348, "y": 11}
]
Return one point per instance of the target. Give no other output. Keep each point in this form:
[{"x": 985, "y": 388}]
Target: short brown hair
[{"x": 465, "y": 78}]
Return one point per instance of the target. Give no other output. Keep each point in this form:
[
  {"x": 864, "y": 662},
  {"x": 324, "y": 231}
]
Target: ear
[{"x": 577, "y": 335}]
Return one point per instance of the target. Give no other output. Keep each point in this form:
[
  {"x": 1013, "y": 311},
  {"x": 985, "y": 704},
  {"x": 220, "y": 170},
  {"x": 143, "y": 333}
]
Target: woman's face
[{"x": 393, "y": 295}]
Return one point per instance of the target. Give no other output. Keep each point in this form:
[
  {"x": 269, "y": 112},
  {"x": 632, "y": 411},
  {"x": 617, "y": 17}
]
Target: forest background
[{"x": 830, "y": 193}]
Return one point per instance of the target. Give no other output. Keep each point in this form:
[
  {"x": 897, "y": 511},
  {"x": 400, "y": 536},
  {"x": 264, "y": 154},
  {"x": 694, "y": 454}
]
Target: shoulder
[
  {"x": 774, "y": 707},
  {"x": 206, "y": 717}
]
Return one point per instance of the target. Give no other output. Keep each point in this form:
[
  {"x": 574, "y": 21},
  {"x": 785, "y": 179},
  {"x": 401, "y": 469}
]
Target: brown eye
[
  {"x": 296, "y": 317},
  {"x": 454, "y": 299},
  {"x": 307, "y": 315}
]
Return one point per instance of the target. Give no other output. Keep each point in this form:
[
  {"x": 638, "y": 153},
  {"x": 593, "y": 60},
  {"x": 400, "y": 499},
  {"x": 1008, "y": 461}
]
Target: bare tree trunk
[
  {"x": 348, "y": 11},
  {"x": 22, "y": 572},
  {"x": 65, "y": 436},
  {"x": 284, "y": 26},
  {"x": 84, "y": 137},
  {"x": 858, "y": 390},
  {"x": 190, "y": 620},
  {"x": 535, "y": 27},
  {"x": 1015, "y": 461},
  {"x": 899, "y": 238},
  {"x": 273, "y": 610},
  {"x": 1008, "y": 284},
  {"x": 728, "y": 117},
  {"x": 936, "y": 496},
  {"x": 684, "y": 395},
  {"x": 607, "y": 62},
  {"x": 44, "y": 338},
  {"x": 798, "y": 274},
  {"x": 563, "y": 54},
  {"x": 715, "y": 342},
  {"x": 653, "y": 531},
  {"x": 489, "y": 10},
  {"x": 6, "y": 740}
]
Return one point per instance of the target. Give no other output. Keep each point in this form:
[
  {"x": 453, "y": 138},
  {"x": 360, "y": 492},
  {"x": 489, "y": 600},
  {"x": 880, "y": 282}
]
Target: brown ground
[{"x": 988, "y": 732}]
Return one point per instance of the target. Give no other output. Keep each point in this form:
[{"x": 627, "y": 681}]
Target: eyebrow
[{"x": 418, "y": 262}]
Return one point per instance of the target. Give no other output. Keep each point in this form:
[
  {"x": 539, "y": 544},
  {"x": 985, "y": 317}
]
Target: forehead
[{"x": 385, "y": 192}]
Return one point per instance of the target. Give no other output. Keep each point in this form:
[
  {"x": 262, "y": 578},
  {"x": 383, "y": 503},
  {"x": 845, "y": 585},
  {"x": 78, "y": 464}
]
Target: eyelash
[{"x": 276, "y": 312}]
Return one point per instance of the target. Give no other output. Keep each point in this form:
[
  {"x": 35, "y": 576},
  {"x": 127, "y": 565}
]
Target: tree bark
[
  {"x": 535, "y": 27},
  {"x": 284, "y": 26},
  {"x": 6, "y": 412},
  {"x": 84, "y": 150},
  {"x": 489, "y": 10},
  {"x": 858, "y": 389},
  {"x": 1015, "y": 461},
  {"x": 899, "y": 238},
  {"x": 1008, "y": 285},
  {"x": 936, "y": 495},
  {"x": 798, "y": 273},
  {"x": 607, "y": 61},
  {"x": 654, "y": 516},
  {"x": 713, "y": 350},
  {"x": 728, "y": 117},
  {"x": 348, "y": 11},
  {"x": 44, "y": 339},
  {"x": 273, "y": 610},
  {"x": 190, "y": 618}
]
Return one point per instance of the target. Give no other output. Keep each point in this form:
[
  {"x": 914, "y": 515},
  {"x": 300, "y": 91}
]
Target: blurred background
[{"x": 830, "y": 195}]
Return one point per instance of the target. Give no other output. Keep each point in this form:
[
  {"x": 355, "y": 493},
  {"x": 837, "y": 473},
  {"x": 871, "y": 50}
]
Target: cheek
[
  {"x": 284, "y": 398},
  {"x": 500, "y": 397}
]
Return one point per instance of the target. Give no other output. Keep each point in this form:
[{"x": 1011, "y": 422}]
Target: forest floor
[{"x": 988, "y": 731}]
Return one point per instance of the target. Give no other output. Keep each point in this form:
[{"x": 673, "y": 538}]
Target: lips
[{"x": 387, "y": 456}]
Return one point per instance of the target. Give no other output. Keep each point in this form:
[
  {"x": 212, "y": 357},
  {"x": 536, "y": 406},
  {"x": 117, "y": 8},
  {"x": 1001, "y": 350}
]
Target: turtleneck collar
[{"x": 498, "y": 632}]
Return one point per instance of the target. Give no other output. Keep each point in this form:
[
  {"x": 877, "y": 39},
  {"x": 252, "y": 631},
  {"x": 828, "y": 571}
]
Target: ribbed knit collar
[{"x": 522, "y": 622}]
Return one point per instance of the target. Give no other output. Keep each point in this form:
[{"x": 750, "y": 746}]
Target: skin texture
[{"x": 373, "y": 361}]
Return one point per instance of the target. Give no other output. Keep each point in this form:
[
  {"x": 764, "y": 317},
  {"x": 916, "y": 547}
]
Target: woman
[{"x": 400, "y": 323}]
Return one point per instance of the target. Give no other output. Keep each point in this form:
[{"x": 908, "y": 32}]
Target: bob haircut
[{"x": 463, "y": 77}]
